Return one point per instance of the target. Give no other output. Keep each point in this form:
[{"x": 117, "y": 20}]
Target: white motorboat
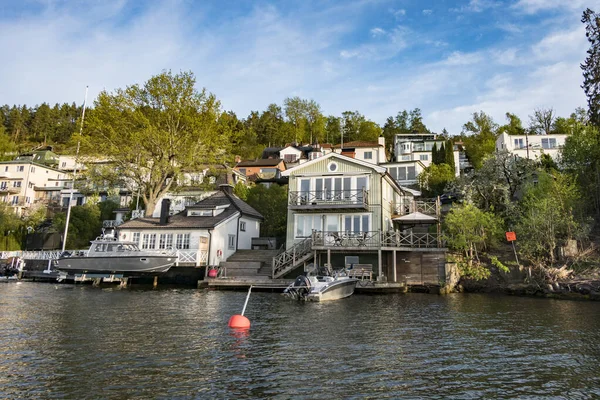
[
  {"x": 321, "y": 284},
  {"x": 108, "y": 255}
]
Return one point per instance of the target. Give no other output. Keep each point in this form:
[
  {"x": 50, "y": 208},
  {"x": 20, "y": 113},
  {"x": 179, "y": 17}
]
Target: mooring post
[{"x": 155, "y": 284}]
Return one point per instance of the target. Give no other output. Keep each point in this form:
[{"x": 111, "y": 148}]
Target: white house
[
  {"x": 206, "y": 233},
  {"x": 532, "y": 146},
  {"x": 419, "y": 146}
]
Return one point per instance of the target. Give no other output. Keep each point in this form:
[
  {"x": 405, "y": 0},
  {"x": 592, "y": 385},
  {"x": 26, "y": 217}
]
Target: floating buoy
[
  {"x": 238, "y": 321},
  {"x": 212, "y": 273}
]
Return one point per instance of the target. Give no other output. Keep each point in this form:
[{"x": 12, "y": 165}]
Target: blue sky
[{"x": 448, "y": 57}]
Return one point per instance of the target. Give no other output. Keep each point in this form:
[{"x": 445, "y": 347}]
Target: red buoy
[
  {"x": 239, "y": 322},
  {"x": 212, "y": 273}
]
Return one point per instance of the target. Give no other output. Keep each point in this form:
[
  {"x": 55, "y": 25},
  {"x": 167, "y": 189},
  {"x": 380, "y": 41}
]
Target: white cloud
[
  {"x": 427, "y": 12},
  {"x": 375, "y": 32},
  {"x": 534, "y": 6},
  {"x": 398, "y": 14},
  {"x": 459, "y": 58},
  {"x": 477, "y": 6}
]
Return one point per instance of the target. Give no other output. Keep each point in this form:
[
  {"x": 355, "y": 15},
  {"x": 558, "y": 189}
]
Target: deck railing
[
  {"x": 358, "y": 197},
  {"x": 376, "y": 239},
  {"x": 427, "y": 207},
  {"x": 292, "y": 256}
]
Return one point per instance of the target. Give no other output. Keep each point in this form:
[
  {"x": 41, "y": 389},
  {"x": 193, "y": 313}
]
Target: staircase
[
  {"x": 292, "y": 258},
  {"x": 249, "y": 263}
]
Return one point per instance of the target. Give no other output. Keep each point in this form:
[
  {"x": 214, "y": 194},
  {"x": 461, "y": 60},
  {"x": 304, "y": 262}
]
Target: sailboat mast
[{"x": 74, "y": 172}]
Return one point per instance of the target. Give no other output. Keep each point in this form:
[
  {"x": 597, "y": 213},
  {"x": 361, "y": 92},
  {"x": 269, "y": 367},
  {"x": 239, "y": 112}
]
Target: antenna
[{"x": 74, "y": 171}]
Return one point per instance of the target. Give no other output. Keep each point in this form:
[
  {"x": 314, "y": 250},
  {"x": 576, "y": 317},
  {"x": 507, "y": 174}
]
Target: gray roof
[{"x": 181, "y": 220}]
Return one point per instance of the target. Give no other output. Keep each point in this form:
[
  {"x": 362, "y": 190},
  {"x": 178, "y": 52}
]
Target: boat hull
[
  {"x": 335, "y": 290},
  {"x": 127, "y": 265}
]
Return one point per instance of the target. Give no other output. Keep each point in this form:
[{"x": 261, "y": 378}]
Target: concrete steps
[{"x": 249, "y": 263}]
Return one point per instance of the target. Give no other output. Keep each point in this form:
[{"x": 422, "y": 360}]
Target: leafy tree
[
  {"x": 333, "y": 129},
  {"x": 295, "y": 111},
  {"x": 390, "y": 130},
  {"x": 10, "y": 225},
  {"x": 416, "y": 122},
  {"x": 272, "y": 204},
  {"x": 468, "y": 229},
  {"x": 434, "y": 179},
  {"x": 8, "y": 148},
  {"x": 403, "y": 122},
  {"x": 547, "y": 217},
  {"x": 315, "y": 122},
  {"x": 513, "y": 127},
  {"x": 591, "y": 66},
  {"x": 155, "y": 133},
  {"x": 480, "y": 139},
  {"x": 84, "y": 225},
  {"x": 449, "y": 155}
]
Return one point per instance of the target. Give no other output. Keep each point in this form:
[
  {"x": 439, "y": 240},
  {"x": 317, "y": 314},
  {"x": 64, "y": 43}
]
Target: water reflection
[{"x": 82, "y": 342}]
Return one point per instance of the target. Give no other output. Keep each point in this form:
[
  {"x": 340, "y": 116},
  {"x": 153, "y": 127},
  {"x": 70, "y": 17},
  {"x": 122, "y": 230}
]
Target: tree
[
  {"x": 591, "y": 66},
  {"x": 468, "y": 229},
  {"x": 84, "y": 225},
  {"x": 295, "y": 111},
  {"x": 8, "y": 148},
  {"x": 333, "y": 129},
  {"x": 315, "y": 122},
  {"x": 513, "y": 127},
  {"x": 416, "y": 122},
  {"x": 480, "y": 139},
  {"x": 548, "y": 217},
  {"x": 449, "y": 155},
  {"x": 434, "y": 179},
  {"x": 154, "y": 133},
  {"x": 272, "y": 203},
  {"x": 542, "y": 121}
]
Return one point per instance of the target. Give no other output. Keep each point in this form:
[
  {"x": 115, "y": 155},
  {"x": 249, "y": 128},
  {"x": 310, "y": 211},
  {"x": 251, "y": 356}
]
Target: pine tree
[{"x": 591, "y": 66}]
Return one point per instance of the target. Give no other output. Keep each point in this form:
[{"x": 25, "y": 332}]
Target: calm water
[{"x": 75, "y": 342}]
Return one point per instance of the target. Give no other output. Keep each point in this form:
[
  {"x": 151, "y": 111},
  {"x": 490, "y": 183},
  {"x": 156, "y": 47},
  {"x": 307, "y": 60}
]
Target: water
[{"x": 78, "y": 342}]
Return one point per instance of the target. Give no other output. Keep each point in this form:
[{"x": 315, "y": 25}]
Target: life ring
[{"x": 219, "y": 253}]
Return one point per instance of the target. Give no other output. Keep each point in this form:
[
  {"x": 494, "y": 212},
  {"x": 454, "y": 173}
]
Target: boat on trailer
[
  {"x": 321, "y": 284},
  {"x": 109, "y": 255}
]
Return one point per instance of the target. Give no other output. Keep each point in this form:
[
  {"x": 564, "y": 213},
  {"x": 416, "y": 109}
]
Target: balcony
[
  {"x": 428, "y": 207},
  {"x": 320, "y": 200},
  {"x": 9, "y": 190},
  {"x": 375, "y": 240}
]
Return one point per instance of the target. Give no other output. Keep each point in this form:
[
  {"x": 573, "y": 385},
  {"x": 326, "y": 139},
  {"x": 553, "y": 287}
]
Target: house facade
[
  {"x": 343, "y": 211},
  {"x": 254, "y": 170},
  {"x": 532, "y": 146},
  {"x": 205, "y": 233},
  {"x": 371, "y": 152},
  {"x": 419, "y": 146}
]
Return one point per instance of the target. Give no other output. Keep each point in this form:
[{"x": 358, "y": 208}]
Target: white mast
[{"x": 74, "y": 172}]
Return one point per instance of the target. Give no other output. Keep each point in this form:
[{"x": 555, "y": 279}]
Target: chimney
[
  {"x": 349, "y": 152},
  {"x": 381, "y": 141},
  {"x": 226, "y": 188},
  {"x": 164, "y": 211}
]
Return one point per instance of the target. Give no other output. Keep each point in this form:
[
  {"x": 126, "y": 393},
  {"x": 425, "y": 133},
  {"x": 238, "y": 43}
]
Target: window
[
  {"x": 64, "y": 164},
  {"x": 149, "y": 241},
  {"x": 231, "y": 242},
  {"x": 183, "y": 241},
  {"x": 356, "y": 223},
  {"x": 165, "y": 241},
  {"x": 31, "y": 185},
  {"x": 243, "y": 171},
  {"x": 368, "y": 155},
  {"x": 17, "y": 184},
  {"x": 243, "y": 226},
  {"x": 548, "y": 143},
  {"x": 32, "y": 169},
  {"x": 6, "y": 169},
  {"x": 15, "y": 200},
  {"x": 136, "y": 237},
  {"x": 405, "y": 158},
  {"x": 424, "y": 157},
  {"x": 20, "y": 168},
  {"x": 306, "y": 223},
  {"x": 519, "y": 144},
  {"x": 289, "y": 158},
  {"x": 332, "y": 167},
  {"x": 28, "y": 200}
]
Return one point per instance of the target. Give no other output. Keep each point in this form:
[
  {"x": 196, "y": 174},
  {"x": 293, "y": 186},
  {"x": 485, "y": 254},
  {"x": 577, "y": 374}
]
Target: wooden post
[
  {"x": 329, "y": 257},
  {"x": 155, "y": 284},
  {"x": 123, "y": 283},
  {"x": 394, "y": 270},
  {"x": 380, "y": 266}
]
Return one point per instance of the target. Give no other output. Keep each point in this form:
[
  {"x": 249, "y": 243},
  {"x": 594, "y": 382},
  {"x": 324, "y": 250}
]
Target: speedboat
[
  {"x": 321, "y": 284},
  {"x": 109, "y": 255}
]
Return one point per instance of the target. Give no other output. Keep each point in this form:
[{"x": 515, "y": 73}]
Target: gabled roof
[
  {"x": 230, "y": 202},
  {"x": 377, "y": 168}
]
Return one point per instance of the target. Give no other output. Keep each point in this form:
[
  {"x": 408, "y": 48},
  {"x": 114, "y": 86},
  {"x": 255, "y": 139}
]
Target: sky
[{"x": 450, "y": 58}]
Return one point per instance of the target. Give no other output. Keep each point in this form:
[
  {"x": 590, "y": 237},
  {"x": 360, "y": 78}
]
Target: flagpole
[{"x": 74, "y": 172}]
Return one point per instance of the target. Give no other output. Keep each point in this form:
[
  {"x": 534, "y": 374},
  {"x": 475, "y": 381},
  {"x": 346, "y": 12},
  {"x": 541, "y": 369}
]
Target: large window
[
  {"x": 231, "y": 242},
  {"x": 403, "y": 173},
  {"x": 149, "y": 241},
  {"x": 368, "y": 155},
  {"x": 305, "y": 223},
  {"x": 548, "y": 143},
  {"x": 423, "y": 157},
  {"x": 183, "y": 241},
  {"x": 333, "y": 188},
  {"x": 165, "y": 241},
  {"x": 136, "y": 238},
  {"x": 519, "y": 144},
  {"x": 357, "y": 223}
]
